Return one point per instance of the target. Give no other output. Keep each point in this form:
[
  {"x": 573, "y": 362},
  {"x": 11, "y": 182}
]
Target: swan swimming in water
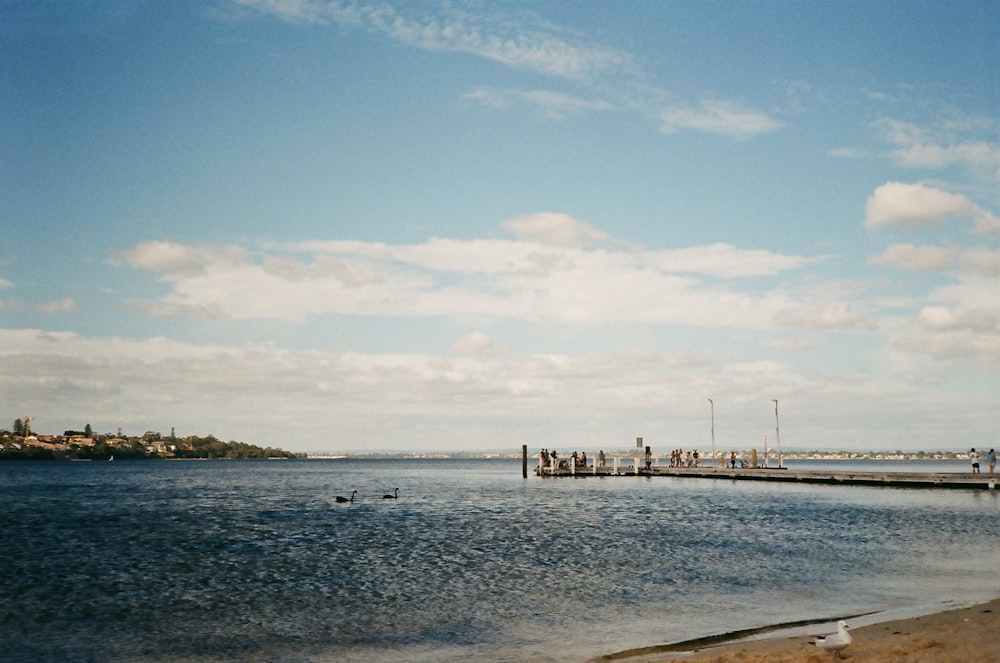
[
  {"x": 835, "y": 641},
  {"x": 344, "y": 499},
  {"x": 392, "y": 497}
]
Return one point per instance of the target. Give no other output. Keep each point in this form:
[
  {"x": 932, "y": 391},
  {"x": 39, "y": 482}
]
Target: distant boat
[{"x": 112, "y": 457}]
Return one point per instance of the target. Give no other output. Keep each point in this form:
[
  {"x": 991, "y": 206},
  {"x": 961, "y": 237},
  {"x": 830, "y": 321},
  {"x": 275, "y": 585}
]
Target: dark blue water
[{"x": 256, "y": 561}]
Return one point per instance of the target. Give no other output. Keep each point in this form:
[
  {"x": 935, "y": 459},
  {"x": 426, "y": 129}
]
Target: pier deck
[{"x": 948, "y": 480}]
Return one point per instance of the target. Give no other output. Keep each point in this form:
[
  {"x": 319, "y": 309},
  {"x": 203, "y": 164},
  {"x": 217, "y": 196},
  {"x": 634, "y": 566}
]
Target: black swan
[
  {"x": 392, "y": 497},
  {"x": 344, "y": 499}
]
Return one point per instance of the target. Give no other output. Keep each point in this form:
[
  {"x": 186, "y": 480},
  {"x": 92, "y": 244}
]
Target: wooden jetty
[{"x": 626, "y": 466}]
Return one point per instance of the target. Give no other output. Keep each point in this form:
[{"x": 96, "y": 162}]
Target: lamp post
[
  {"x": 714, "y": 462},
  {"x": 777, "y": 433}
]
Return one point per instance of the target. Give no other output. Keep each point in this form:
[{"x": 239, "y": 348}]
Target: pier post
[{"x": 524, "y": 461}]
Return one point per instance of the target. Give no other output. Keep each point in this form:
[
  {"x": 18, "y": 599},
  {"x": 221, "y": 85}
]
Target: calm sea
[{"x": 256, "y": 561}]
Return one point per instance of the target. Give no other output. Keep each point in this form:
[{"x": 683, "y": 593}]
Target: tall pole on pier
[
  {"x": 777, "y": 433},
  {"x": 714, "y": 462}
]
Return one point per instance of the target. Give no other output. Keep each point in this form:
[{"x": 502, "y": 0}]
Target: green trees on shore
[{"x": 84, "y": 445}]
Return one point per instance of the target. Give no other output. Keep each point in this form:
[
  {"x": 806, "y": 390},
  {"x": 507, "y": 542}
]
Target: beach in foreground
[{"x": 963, "y": 635}]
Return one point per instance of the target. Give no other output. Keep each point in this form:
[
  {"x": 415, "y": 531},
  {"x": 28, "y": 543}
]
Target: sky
[{"x": 466, "y": 226}]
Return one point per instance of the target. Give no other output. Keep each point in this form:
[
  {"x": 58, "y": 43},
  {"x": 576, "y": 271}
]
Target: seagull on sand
[{"x": 835, "y": 642}]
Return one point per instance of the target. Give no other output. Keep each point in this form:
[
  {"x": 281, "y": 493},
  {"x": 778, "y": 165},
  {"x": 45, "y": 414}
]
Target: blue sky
[{"x": 463, "y": 226}]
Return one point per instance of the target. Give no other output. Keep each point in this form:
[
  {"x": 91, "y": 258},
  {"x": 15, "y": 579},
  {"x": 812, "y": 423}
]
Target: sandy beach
[{"x": 963, "y": 635}]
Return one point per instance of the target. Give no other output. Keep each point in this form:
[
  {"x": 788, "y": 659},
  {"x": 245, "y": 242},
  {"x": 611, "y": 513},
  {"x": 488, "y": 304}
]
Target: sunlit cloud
[
  {"x": 551, "y": 228},
  {"x": 916, "y": 205},
  {"x": 556, "y": 268},
  {"x": 164, "y": 257}
]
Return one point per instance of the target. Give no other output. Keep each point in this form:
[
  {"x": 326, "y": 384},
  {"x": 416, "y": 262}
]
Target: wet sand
[{"x": 963, "y": 635}]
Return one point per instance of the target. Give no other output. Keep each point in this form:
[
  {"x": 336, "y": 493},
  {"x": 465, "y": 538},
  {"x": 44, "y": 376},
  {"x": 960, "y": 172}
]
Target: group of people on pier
[
  {"x": 550, "y": 459},
  {"x": 679, "y": 459}
]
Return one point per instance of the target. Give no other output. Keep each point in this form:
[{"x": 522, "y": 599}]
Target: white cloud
[
  {"x": 959, "y": 322},
  {"x": 493, "y": 37},
  {"x": 918, "y": 258},
  {"x": 726, "y": 261},
  {"x": 849, "y": 153},
  {"x": 64, "y": 305},
  {"x": 718, "y": 117},
  {"x": 552, "y": 105},
  {"x": 831, "y": 316},
  {"x": 552, "y": 228},
  {"x": 522, "y": 41},
  {"x": 943, "y": 318},
  {"x": 972, "y": 260},
  {"x": 162, "y": 256},
  {"x": 981, "y": 260},
  {"x": 944, "y": 145},
  {"x": 548, "y": 273},
  {"x": 917, "y": 205},
  {"x": 316, "y": 400},
  {"x": 476, "y": 344}
]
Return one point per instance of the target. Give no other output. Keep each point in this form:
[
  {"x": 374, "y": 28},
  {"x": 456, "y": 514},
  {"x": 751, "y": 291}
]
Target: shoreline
[{"x": 961, "y": 632}]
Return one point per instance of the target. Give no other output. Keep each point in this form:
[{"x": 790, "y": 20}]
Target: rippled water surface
[{"x": 256, "y": 561}]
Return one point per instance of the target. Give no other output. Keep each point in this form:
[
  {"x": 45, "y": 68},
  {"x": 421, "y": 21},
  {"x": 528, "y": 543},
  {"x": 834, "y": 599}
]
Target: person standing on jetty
[
  {"x": 991, "y": 458},
  {"x": 974, "y": 457}
]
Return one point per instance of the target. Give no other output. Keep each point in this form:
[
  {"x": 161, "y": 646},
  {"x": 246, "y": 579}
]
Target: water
[{"x": 255, "y": 561}]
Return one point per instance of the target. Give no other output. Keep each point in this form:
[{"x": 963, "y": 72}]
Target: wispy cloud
[
  {"x": 512, "y": 42},
  {"x": 945, "y": 144},
  {"x": 551, "y": 105},
  {"x": 64, "y": 305},
  {"x": 524, "y": 42},
  {"x": 718, "y": 117}
]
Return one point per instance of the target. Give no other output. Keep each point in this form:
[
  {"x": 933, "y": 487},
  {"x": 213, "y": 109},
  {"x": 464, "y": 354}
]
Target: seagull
[
  {"x": 344, "y": 499},
  {"x": 835, "y": 641},
  {"x": 392, "y": 497}
]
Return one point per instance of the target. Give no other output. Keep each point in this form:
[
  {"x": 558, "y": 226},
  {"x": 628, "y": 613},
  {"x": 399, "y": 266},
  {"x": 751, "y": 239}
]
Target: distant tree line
[{"x": 85, "y": 445}]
